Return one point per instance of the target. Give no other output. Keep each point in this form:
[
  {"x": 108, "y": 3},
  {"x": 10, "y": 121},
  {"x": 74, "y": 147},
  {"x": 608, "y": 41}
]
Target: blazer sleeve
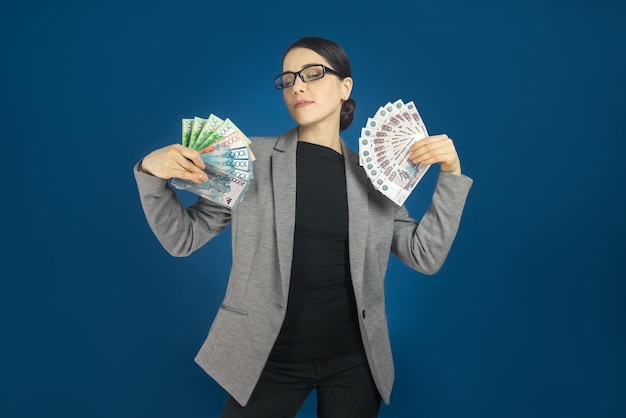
[
  {"x": 180, "y": 230},
  {"x": 424, "y": 246}
]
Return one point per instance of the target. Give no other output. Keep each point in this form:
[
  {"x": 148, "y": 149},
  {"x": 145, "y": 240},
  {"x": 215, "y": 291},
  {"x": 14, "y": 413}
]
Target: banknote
[
  {"x": 187, "y": 131},
  {"x": 196, "y": 127},
  {"x": 241, "y": 174},
  {"x": 236, "y": 153},
  {"x": 390, "y": 119},
  {"x": 207, "y": 129},
  {"x": 222, "y": 188},
  {"x": 384, "y": 149},
  {"x": 234, "y": 138},
  {"x": 227, "y": 156}
]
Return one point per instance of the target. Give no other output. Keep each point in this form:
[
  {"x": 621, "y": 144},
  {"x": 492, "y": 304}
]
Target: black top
[{"x": 321, "y": 319}]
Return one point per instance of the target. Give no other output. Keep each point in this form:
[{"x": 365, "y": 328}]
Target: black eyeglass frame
[{"x": 325, "y": 70}]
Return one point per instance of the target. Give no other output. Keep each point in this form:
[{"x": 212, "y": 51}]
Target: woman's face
[{"x": 316, "y": 102}]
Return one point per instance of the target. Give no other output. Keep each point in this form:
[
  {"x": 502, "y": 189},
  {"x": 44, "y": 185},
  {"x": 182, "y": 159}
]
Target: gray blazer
[{"x": 250, "y": 317}]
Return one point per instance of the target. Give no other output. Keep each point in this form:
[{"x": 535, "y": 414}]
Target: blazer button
[{"x": 363, "y": 313}]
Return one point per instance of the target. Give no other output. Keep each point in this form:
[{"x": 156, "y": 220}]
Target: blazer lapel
[
  {"x": 356, "y": 185},
  {"x": 284, "y": 189}
]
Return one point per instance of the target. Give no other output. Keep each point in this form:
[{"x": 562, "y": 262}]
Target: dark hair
[{"x": 338, "y": 60}]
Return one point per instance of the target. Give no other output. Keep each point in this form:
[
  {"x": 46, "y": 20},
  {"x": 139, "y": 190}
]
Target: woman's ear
[{"x": 346, "y": 88}]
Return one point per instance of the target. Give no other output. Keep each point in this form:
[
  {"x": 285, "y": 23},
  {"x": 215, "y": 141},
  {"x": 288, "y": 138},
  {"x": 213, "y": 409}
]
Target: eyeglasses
[{"x": 309, "y": 73}]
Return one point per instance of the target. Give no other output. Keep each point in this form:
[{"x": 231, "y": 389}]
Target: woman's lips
[{"x": 302, "y": 103}]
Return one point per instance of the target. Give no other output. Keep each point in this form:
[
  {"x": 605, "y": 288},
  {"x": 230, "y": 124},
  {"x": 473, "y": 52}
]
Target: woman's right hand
[{"x": 175, "y": 161}]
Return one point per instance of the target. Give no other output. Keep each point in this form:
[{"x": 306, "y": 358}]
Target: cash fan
[
  {"x": 228, "y": 159},
  {"x": 384, "y": 149}
]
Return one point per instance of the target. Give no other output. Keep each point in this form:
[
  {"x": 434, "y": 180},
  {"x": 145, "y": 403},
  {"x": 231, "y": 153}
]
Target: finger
[
  {"x": 432, "y": 148},
  {"x": 186, "y": 163},
  {"x": 187, "y": 169},
  {"x": 447, "y": 157},
  {"x": 193, "y": 156},
  {"x": 440, "y": 153},
  {"x": 429, "y": 141},
  {"x": 174, "y": 163},
  {"x": 434, "y": 157}
]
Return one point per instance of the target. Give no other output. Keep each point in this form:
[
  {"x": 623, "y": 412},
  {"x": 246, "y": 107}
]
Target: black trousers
[{"x": 344, "y": 384}]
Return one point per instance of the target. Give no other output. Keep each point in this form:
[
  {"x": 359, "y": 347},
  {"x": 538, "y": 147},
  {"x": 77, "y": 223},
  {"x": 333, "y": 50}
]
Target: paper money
[
  {"x": 187, "y": 131},
  {"x": 233, "y": 139},
  {"x": 207, "y": 129},
  {"x": 384, "y": 149},
  {"x": 218, "y": 132},
  {"x": 196, "y": 127},
  {"x": 228, "y": 159},
  {"x": 222, "y": 188},
  {"x": 235, "y": 158}
]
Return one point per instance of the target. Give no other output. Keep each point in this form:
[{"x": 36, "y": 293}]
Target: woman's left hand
[{"x": 436, "y": 149}]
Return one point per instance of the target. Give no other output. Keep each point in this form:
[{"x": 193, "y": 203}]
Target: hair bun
[{"x": 347, "y": 114}]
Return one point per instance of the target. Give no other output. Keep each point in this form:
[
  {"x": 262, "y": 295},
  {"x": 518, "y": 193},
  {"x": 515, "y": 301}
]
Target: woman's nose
[{"x": 298, "y": 85}]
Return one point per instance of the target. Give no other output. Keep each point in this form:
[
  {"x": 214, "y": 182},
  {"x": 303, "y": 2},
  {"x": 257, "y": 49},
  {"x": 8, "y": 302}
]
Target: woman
[{"x": 304, "y": 308}]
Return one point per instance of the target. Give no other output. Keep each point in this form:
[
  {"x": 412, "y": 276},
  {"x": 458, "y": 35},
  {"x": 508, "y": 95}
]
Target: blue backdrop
[{"x": 526, "y": 318}]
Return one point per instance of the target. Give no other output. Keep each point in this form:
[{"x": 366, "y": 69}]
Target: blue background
[{"x": 526, "y": 318}]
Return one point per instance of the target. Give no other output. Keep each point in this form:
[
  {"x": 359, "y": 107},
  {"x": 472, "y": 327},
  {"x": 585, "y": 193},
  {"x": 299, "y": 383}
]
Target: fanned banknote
[
  {"x": 384, "y": 149},
  {"x": 228, "y": 159}
]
